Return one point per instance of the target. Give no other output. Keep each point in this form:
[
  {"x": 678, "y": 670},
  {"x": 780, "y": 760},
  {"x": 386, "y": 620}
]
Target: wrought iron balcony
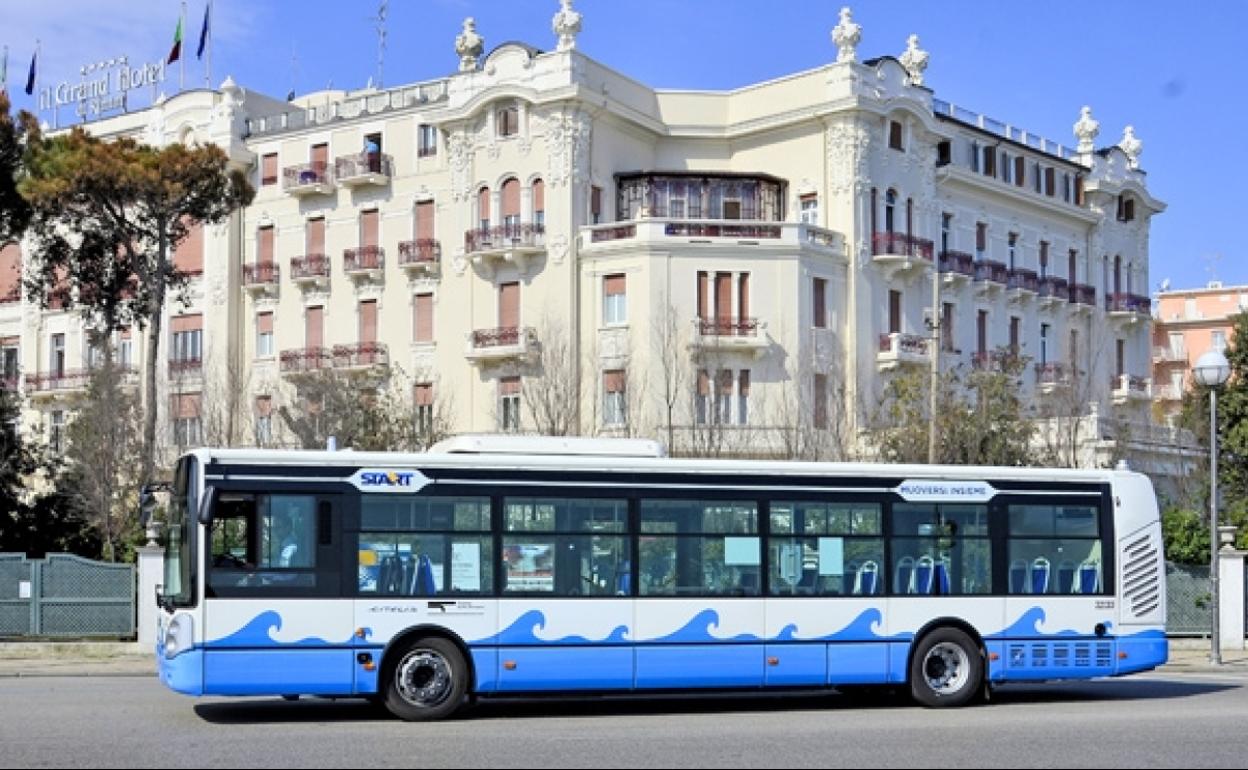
[
  {"x": 361, "y": 355},
  {"x": 420, "y": 255},
  {"x": 364, "y": 262},
  {"x": 1050, "y": 377},
  {"x": 261, "y": 277},
  {"x": 726, "y": 334},
  {"x": 310, "y": 269},
  {"x": 1022, "y": 280},
  {"x": 897, "y": 349},
  {"x": 1083, "y": 295},
  {"x": 185, "y": 367},
  {"x": 308, "y": 179},
  {"x": 1122, "y": 304},
  {"x": 72, "y": 382},
  {"x": 505, "y": 237},
  {"x": 991, "y": 275},
  {"x": 1053, "y": 290},
  {"x": 365, "y": 168},
  {"x": 500, "y": 344},
  {"x": 956, "y": 265},
  {"x": 304, "y": 360}
]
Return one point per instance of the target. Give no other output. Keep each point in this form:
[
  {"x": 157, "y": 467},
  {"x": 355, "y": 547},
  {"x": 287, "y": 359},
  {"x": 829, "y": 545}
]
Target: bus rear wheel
[
  {"x": 947, "y": 669},
  {"x": 427, "y": 680}
]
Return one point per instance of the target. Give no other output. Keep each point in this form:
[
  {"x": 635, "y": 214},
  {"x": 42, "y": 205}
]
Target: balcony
[
  {"x": 957, "y": 267},
  {"x": 307, "y": 179},
  {"x": 516, "y": 244},
  {"x": 1128, "y": 308},
  {"x": 185, "y": 368},
  {"x": 897, "y": 349},
  {"x": 896, "y": 252},
  {"x": 1022, "y": 284},
  {"x": 366, "y": 263},
  {"x": 361, "y": 357},
  {"x": 69, "y": 383},
  {"x": 729, "y": 334},
  {"x": 302, "y": 361},
  {"x": 1082, "y": 297},
  {"x": 1164, "y": 354},
  {"x": 363, "y": 170},
  {"x": 422, "y": 256},
  {"x": 507, "y": 343},
  {"x": 1052, "y": 378},
  {"x": 1169, "y": 393},
  {"x": 991, "y": 276},
  {"x": 310, "y": 270},
  {"x": 713, "y": 234},
  {"x": 1054, "y": 291},
  {"x": 1128, "y": 388},
  {"x": 261, "y": 278}
]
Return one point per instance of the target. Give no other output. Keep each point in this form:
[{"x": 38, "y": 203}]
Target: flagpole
[
  {"x": 181, "y": 58},
  {"x": 208, "y": 30},
  {"x": 4, "y": 87}
]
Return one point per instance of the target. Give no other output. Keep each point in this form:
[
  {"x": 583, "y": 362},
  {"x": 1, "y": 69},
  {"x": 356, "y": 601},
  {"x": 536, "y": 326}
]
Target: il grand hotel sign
[{"x": 104, "y": 87}]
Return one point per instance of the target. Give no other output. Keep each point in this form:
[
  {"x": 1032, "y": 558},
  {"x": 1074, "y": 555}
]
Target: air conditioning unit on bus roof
[{"x": 550, "y": 445}]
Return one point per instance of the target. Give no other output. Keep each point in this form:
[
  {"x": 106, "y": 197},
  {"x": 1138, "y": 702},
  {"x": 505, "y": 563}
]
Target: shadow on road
[{"x": 275, "y": 711}]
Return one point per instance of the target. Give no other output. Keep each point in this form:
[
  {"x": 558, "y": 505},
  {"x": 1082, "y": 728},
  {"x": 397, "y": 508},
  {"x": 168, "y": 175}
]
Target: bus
[{"x": 503, "y": 566}]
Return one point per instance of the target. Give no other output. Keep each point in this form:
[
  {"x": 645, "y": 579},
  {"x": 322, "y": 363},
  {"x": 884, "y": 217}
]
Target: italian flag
[{"x": 176, "y": 51}]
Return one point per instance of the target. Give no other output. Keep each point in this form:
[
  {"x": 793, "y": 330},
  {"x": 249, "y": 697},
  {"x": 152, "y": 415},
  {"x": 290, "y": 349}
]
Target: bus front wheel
[
  {"x": 947, "y": 669},
  {"x": 427, "y": 680}
]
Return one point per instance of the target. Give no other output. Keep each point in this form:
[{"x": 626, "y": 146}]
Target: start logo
[{"x": 374, "y": 480}]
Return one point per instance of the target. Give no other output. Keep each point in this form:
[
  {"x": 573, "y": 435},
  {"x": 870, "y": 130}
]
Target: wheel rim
[
  {"x": 424, "y": 678},
  {"x": 946, "y": 668}
]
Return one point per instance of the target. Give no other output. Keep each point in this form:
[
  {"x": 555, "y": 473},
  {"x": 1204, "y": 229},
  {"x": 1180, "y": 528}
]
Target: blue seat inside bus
[
  {"x": 1089, "y": 577},
  {"x": 406, "y": 575}
]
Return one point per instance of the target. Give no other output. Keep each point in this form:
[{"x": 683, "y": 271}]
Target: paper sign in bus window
[{"x": 831, "y": 556}]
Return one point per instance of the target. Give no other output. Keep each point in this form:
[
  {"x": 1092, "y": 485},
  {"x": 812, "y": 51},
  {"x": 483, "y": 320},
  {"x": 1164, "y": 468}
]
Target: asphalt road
[{"x": 1188, "y": 721}]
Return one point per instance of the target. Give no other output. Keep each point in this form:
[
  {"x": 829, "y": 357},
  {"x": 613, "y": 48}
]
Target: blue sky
[{"x": 1165, "y": 68}]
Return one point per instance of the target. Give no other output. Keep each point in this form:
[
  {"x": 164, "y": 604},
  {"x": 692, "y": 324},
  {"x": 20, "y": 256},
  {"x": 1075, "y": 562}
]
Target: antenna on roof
[{"x": 380, "y": 20}]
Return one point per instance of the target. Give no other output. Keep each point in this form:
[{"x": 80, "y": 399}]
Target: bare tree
[
  {"x": 226, "y": 411},
  {"x": 103, "y": 457},
  {"x": 669, "y": 358},
  {"x": 551, "y": 389}
]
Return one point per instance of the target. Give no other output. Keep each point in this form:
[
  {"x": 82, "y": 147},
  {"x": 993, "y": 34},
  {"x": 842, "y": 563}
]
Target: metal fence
[
  {"x": 1187, "y": 599},
  {"x": 65, "y": 596}
]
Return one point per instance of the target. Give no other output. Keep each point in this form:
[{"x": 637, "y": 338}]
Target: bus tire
[
  {"x": 947, "y": 669},
  {"x": 426, "y": 679}
]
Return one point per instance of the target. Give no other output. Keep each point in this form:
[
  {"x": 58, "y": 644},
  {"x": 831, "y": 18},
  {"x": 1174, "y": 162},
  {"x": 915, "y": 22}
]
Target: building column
[
  {"x": 1231, "y": 596},
  {"x": 151, "y": 563}
]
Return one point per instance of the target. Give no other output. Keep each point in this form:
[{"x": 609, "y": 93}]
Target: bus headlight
[{"x": 179, "y": 636}]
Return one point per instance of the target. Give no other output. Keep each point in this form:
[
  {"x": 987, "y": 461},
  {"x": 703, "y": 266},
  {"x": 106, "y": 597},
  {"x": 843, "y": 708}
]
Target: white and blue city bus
[{"x": 500, "y": 566}]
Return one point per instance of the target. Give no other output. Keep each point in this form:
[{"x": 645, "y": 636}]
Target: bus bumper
[
  {"x": 1142, "y": 652},
  {"x": 183, "y": 673}
]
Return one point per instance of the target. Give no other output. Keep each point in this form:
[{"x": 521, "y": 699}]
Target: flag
[
  {"x": 203, "y": 33},
  {"x": 30, "y": 78},
  {"x": 176, "y": 51}
]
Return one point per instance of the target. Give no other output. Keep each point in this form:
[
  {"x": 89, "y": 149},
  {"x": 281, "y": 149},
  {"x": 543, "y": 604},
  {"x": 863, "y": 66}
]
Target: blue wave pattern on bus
[
  {"x": 699, "y": 629},
  {"x": 1029, "y": 626},
  {"x": 865, "y": 627},
  {"x": 524, "y": 631},
  {"x": 259, "y": 633}
]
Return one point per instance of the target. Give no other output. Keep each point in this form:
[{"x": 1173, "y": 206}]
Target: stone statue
[
  {"x": 469, "y": 45},
  {"x": 846, "y": 35}
]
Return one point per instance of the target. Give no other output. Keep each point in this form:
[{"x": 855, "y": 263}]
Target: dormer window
[
  {"x": 508, "y": 121},
  {"x": 894, "y": 135},
  {"x": 1126, "y": 208}
]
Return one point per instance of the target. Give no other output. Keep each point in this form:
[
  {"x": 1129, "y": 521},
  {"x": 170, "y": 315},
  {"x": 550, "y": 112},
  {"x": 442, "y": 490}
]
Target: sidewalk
[{"x": 1187, "y": 656}]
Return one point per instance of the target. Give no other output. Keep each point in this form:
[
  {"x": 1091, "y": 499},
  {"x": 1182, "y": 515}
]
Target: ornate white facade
[{"x": 511, "y": 205}]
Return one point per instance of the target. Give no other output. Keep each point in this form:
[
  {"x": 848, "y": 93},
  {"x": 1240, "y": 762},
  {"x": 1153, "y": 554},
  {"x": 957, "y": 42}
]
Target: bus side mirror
[{"x": 206, "y": 505}]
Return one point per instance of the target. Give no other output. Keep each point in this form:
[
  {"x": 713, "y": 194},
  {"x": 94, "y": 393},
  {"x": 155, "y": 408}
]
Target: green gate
[{"x": 65, "y": 596}]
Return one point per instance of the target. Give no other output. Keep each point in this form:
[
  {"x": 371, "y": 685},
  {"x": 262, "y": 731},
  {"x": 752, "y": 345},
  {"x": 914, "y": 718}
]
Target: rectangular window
[
  {"x": 509, "y": 404},
  {"x": 187, "y": 410},
  {"x": 268, "y": 169},
  {"x": 1055, "y": 549},
  {"x": 944, "y": 153},
  {"x": 56, "y": 432},
  {"x": 615, "y": 300},
  {"x": 826, "y": 549},
  {"x": 723, "y": 397},
  {"x": 981, "y": 333},
  {"x": 9, "y": 358},
  {"x": 422, "y": 397},
  {"x": 820, "y": 292},
  {"x": 1044, "y": 343},
  {"x": 809, "y": 209},
  {"x": 264, "y": 248},
  {"x": 1015, "y": 333},
  {"x": 940, "y": 549},
  {"x": 1020, "y": 171},
  {"x": 1050, "y": 181},
  {"x": 894, "y": 311},
  {"x": 508, "y": 121},
  {"x": 946, "y": 327},
  {"x": 425, "y": 546},
  {"x": 702, "y": 398},
  {"x": 1036, "y": 178},
  {"x": 368, "y": 320},
  {"x": 509, "y": 305},
  {"x": 595, "y": 205},
  {"x": 981, "y": 241},
  {"x": 1044, "y": 259},
  {"x": 264, "y": 421},
  {"x": 422, "y": 318},
  {"x": 990, "y": 161},
  {"x": 614, "y": 397},
  {"x": 743, "y": 397},
  {"x": 56, "y": 362},
  {"x": 566, "y": 547},
  {"x": 1012, "y": 250},
  {"x": 1007, "y": 168},
  {"x": 264, "y": 335},
  {"x": 1218, "y": 340},
  {"x": 894, "y": 135},
  {"x": 699, "y": 548},
  {"x": 188, "y": 338},
  {"x": 264, "y": 542},
  {"x": 426, "y": 141}
]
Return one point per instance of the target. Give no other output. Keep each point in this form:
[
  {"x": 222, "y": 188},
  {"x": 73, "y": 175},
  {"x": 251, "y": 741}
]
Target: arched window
[
  {"x": 483, "y": 208},
  {"x": 539, "y": 203},
  {"x": 511, "y": 203}
]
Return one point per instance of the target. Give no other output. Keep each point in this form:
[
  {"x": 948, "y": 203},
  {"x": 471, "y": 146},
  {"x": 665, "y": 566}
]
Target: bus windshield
[{"x": 178, "y": 589}]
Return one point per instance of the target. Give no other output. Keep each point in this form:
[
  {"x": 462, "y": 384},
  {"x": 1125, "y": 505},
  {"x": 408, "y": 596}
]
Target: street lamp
[{"x": 1212, "y": 370}]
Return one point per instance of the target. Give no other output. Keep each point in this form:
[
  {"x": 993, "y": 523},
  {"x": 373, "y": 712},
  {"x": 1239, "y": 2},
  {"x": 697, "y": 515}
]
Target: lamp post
[{"x": 1212, "y": 370}]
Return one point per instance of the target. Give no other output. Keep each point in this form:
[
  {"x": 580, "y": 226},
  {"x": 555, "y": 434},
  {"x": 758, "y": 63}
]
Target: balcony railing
[
  {"x": 422, "y": 251},
  {"x": 1082, "y": 294},
  {"x": 71, "y": 380},
  {"x": 1121, "y": 302},
  {"x": 1052, "y": 375},
  {"x": 721, "y": 230},
  {"x": 505, "y": 342},
  {"x": 185, "y": 367},
  {"x": 617, "y": 233},
  {"x": 309, "y": 267},
  {"x": 1168, "y": 355},
  {"x": 957, "y": 263},
  {"x": 992, "y": 271},
  {"x": 899, "y": 244},
  {"x": 261, "y": 274},
  {"x": 728, "y": 327},
  {"x": 361, "y": 355},
  {"x": 1022, "y": 279},
  {"x": 307, "y": 178},
  {"x": 1130, "y": 387},
  {"x": 1054, "y": 288},
  {"x": 364, "y": 168},
  {"x": 505, "y": 237},
  {"x": 896, "y": 349},
  {"x": 497, "y": 338},
  {"x": 364, "y": 259},
  {"x": 306, "y": 359}
]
